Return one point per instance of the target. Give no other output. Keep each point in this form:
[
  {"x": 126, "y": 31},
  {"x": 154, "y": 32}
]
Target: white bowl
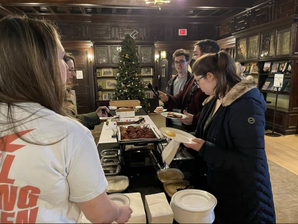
[{"x": 193, "y": 206}]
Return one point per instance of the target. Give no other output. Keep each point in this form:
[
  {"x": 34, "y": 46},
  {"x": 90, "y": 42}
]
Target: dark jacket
[
  {"x": 192, "y": 104},
  {"x": 234, "y": 151}
]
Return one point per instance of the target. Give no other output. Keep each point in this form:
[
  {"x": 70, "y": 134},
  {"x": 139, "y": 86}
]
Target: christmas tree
[{"x": 129, "y": 81}]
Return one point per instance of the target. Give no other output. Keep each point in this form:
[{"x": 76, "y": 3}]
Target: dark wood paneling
[{"x": 85, "y": 87}]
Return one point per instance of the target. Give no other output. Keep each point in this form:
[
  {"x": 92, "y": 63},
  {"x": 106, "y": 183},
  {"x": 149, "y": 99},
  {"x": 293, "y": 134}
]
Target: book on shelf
[
  {"x": 266, "y": 67},
  {"x": 274, "y": 67},
  {"x": 287, "y": 87},
  {"x": 265, "y": 86},
  {"x": 270, "y": 86}
]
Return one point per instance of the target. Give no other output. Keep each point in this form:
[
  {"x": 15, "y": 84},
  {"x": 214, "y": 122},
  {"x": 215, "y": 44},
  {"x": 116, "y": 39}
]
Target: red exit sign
[{"x": 182, "y": 32}]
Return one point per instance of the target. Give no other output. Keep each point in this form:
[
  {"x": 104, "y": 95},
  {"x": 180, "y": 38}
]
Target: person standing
[
  {"x": 176, "y": 83},
  {"x": 230, "y": 140},
  {"x": 50, "y": 170},
  {"x": 88, "y": 119},
  {"x": 189, "y": 100}
]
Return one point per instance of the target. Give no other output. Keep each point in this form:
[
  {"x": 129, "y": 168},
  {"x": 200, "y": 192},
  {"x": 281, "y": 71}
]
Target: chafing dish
[{"x": 140, "y": 141}]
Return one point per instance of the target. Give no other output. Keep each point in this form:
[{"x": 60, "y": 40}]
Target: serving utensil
[{"x": 153, "y": 90}]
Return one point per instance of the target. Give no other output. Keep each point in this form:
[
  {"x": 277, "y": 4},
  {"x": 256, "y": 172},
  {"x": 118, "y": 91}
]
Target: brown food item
[
  {"x": 171, "y": 188},
  {"x": 174, "y": 115},
  {"x": 136, "y": 132},
  {"x": 169, "y": 175}
]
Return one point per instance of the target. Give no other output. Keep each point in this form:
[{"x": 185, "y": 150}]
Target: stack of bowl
[{"x": 193, "y": 206}]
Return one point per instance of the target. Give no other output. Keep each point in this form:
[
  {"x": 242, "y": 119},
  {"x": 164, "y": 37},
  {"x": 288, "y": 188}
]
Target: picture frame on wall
[
  {"x": 98, "y": 72},
  {"x": 99, "y": 84},
  {"x": 107, "y": 72},
  {"x": 146, "y": 71},
  {"x": 146, "y": 81},
  {"x": 111, "y": 84}
]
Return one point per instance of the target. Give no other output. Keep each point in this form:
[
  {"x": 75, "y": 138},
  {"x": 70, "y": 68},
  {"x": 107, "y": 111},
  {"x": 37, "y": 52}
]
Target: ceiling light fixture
[{"x": 158, "y": 3}]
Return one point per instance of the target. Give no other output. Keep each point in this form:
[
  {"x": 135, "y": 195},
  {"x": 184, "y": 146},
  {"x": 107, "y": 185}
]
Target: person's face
[
  {"x": 71, "y": 72},
  {"x": 180, "y": 64},
  {"x": 63, "y": 66},
  {"x": 196, "y": 52},
  {"x": 206, "y": 83}
]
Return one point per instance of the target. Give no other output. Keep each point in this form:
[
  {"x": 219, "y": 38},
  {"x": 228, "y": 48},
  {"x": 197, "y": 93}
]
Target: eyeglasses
[
  {"x": 197, "y": 81},
  {"x": 180, "y": 62},
  {"x": 71, "y": 70}
]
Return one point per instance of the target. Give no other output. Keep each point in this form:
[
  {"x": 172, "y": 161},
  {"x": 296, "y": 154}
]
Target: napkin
[{"x": 170, "y": 151}]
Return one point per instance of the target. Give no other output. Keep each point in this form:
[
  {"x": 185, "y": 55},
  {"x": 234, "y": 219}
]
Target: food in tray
[
  {"x": 136, "y": 132},
  {"x": 174, "y": 115}
]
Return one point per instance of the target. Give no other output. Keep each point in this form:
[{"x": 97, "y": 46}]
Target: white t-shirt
[{"x": 42, "y": 183}]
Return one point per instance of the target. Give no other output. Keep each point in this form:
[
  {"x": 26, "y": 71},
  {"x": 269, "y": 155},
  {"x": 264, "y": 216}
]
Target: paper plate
[
  {"x": 181, "y": 136},
  {"x": 160, "y": 111},
  {"x": 194, "y": 200},
  {"x": 117, "y": 184},
  {"x": 119, "y": 199},
  {"x": 165, "y": 114}
]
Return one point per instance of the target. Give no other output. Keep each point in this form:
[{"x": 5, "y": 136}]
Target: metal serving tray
[{"x": 157, "y": 138}]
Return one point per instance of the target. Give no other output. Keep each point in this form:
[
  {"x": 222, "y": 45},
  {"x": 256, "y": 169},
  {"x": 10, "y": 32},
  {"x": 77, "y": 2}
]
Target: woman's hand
[
  {"x": 197, "y": 147},
  {"x": 188, "y": 119},
  {"x": 163, "y": 97}
]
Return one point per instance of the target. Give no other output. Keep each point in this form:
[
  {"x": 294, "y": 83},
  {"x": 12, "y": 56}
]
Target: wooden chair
[{"x": 125, "y": 103}]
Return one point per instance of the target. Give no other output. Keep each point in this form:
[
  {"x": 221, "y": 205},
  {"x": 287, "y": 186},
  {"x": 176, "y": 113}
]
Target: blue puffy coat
[{"x": 234, "y": 151}]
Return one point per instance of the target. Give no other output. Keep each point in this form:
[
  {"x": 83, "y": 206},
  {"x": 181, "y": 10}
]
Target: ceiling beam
[{"x": 195, "y": 4}]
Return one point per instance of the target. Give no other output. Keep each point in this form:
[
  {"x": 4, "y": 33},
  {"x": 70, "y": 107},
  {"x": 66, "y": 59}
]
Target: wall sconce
[
  {"x": 90, "y": 57},
  {"x": 156, "y": 57},
  {"x": 163, "y": 54}
]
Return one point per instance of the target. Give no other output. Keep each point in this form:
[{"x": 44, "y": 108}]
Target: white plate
[
  {"x": 117, "y": 184},
  {"x": 194, "y": 200},
  {"x": 119, "y": 199},
  {"x": 160, "y": 111},
  {"x": 112, "y": 107},
  {"x": 165, "y": 114},
  {"x": 181, "y": 136}
]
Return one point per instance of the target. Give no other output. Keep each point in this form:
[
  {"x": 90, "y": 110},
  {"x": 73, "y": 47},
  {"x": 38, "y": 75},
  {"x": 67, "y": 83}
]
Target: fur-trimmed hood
[{"x": 237, "y": 91}]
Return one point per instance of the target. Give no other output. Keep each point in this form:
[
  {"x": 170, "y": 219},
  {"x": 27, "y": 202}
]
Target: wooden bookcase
[{"x": 273, "y": 48}]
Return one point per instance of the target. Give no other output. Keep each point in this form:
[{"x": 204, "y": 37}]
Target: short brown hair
[
  {"x": 208, "y": 46},
  {"x": 180, "y": 52}
]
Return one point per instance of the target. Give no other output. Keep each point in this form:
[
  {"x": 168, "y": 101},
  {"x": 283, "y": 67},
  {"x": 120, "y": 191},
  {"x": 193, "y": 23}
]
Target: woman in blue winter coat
[{"x": 230, "y": 139}]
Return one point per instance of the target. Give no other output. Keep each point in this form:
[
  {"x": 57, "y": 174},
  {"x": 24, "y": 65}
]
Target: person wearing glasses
[
  {"x": 88, "y": 119},
  {"x": 50, "y": 170},
  {"x": 230, "y": 140},
  {"x": 176, "y": 83},
  {"x": 189, "y": 100}
]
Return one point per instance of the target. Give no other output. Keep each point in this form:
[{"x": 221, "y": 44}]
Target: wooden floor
[{"x": 283, "y": 150}]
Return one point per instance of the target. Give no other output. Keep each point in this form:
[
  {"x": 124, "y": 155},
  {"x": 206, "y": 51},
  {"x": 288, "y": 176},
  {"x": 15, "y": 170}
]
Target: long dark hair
[
  {"x": 29, "y": 68},
  {"x": 222, "y": 66}
]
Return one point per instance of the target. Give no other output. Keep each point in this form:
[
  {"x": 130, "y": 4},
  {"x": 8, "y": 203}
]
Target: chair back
[{"x": 124, "y": 103}]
